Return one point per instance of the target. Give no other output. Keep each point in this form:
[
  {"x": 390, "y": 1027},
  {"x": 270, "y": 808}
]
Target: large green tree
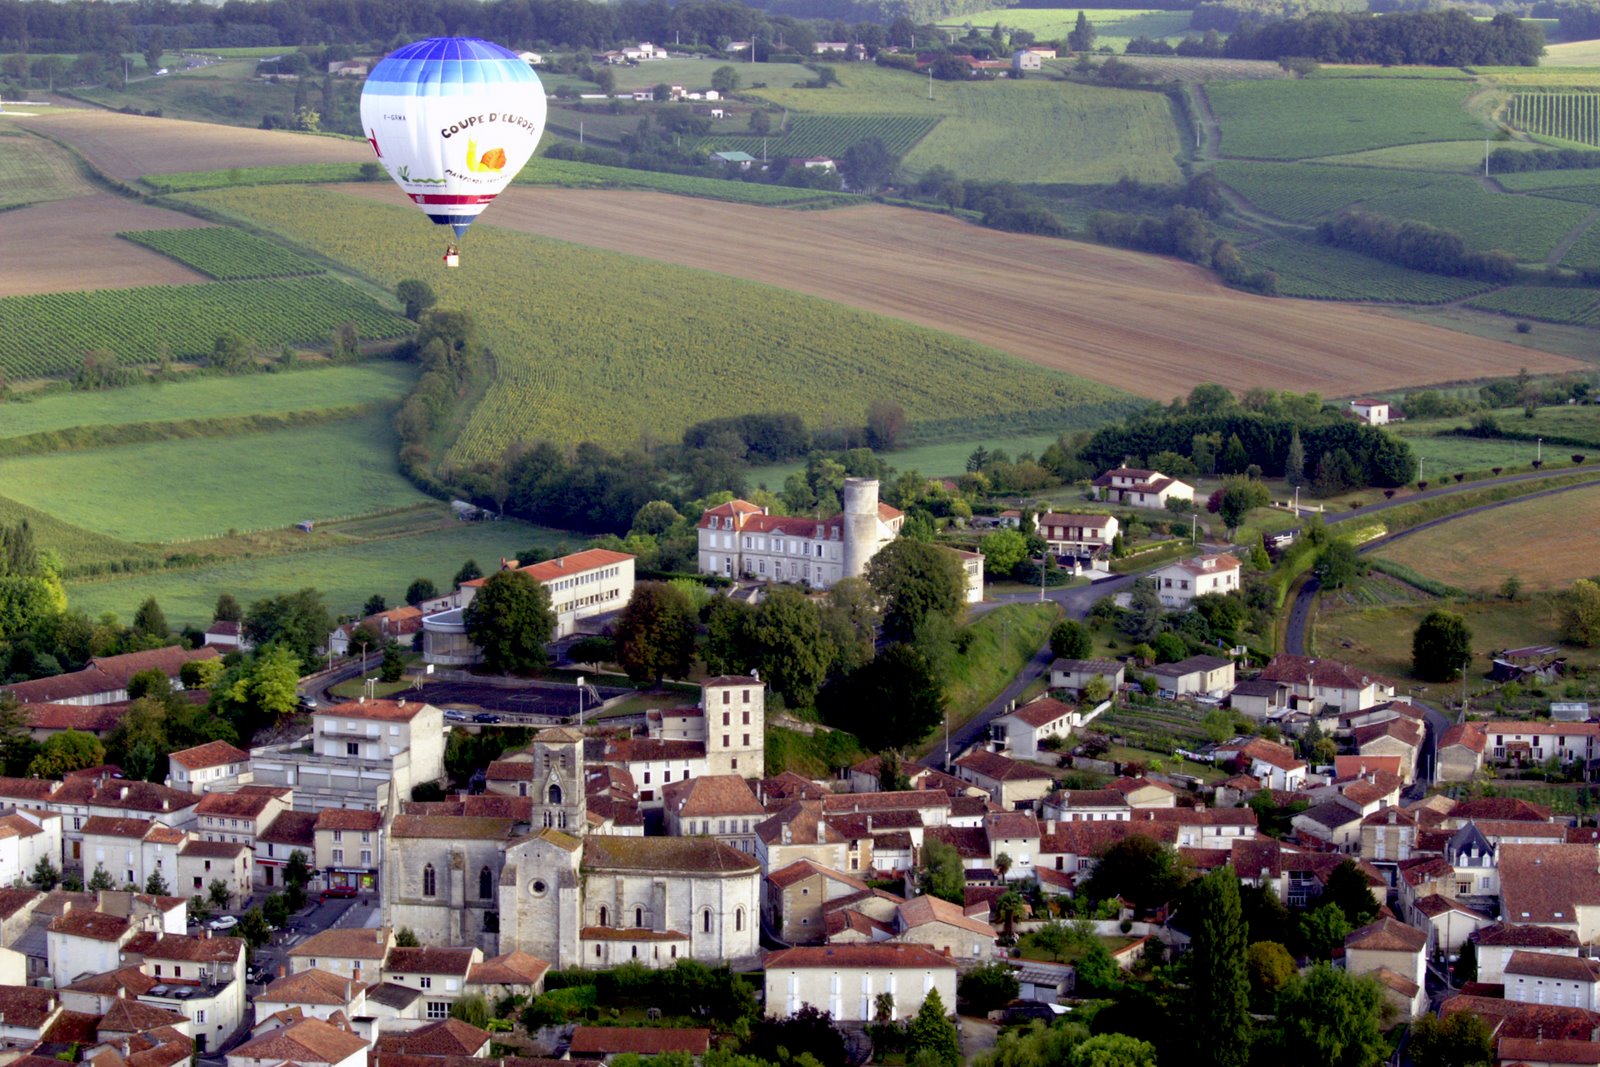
[
  {"x": 1002, "y": 551},
  {"x": 1441, "y": 646},
  {"x": 788, "y": 647},
  {"x": 655, "y": 633},
  {"x": 916, "y": 580},
  {"x": 894, "y": 701},
  {"x": 942, "y": 874},
  {"x": 150, "y": 621},
  {"x": 1348, "y": 888},
  {"x": 1270, "y": 967},
  {"x": 1138, "y": 869},
  {"x": 69, "y": 750},
  {"x": 1460, "y": 1039},
  {"x": 1070, "y": 639},
  {"x": 1579, "y": 611},
  {"x": 1329, "y": 1018},
  {"x": 1338, "y": 564},
  {"x": 298, "y": 621},
  {"x": 269, "y": 684},
  {"x": 1115, "y": 1050},
  {"x": 931, "y": 1038},
  {"x": 511, "y": 621},
  {"x": 1219, "y": 988}
]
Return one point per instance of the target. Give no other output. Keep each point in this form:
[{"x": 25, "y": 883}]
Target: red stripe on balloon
[{"x": 441, "y": 198}]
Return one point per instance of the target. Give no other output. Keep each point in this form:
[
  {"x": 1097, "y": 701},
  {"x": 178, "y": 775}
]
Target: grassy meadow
[
  {"x": 1333, "y": 116},
  {"x": 570, "y": 325},
  {"x": 1025, "y": 131},
  {"x": 940, "y": 459},
  {"x": 183, "y": 490},
  {"x": 34, "y": 170}
]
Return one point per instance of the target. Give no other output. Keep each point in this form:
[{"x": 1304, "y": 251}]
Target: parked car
[
  {"x": 340, "y": 892},
  {"x": 484, "y": 716},
  {"x": 455, "y": 716},
  {"x": 307, "y": 703},
  {"x": 223, "y": 922}
]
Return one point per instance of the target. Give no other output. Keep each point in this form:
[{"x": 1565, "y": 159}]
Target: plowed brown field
[
  {"x": 1150, "y": 325},
  {"x": 131, "y": 146},
  {"x": 73, "y": 244}
]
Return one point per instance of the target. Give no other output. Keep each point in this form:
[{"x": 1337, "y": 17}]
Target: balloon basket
[{"x": 452, "y": 258}]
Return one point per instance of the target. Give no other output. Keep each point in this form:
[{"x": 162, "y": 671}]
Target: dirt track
[
  {"x": 78, "y": 248},
  {"x": 131, "y": 146},
  {"x": 1153, "y": 326}
]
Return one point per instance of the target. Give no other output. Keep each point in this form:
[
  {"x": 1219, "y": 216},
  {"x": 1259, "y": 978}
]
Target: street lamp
[{"x": 580, "y": 701}]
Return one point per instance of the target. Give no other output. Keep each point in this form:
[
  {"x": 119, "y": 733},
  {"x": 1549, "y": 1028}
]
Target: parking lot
[{"x": 544, "y": 701}]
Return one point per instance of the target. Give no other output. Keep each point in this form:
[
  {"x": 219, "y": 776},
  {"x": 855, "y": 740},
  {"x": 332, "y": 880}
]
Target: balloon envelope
[{"x": 453, "y": 119}]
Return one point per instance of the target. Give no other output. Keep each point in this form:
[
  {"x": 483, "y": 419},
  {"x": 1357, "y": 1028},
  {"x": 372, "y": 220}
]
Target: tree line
[
  {"x": 1427, "y": 38},
  {"x": 1502, "y": 160},
  {"x": 1418, "y": 245}
]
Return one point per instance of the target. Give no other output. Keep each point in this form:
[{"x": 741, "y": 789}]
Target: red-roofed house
[
  {"x": 1007, "y": 780},
  {"x": 1023, "y": 731},
  {"x": 795, "y": 896},
  {"x": 1272, "y": 764},
  {"x": 943, "y": 927},
  {"x": 1543, "y": 978},
  {"x": 209, "y": 767},
  {"x": 1392, "y": 953},
  {"x": 349, "y": 847},
  {"x": 1177, "y": 584},
  {"x": 1326, "y": 682},
  {"x": 740, "y": 539},
  {"x": 105, "y": 679},
  {"x": 848, "y": 979},
  {"x": 401, "y": 624},
  {"x": 605, "y": 1042},
  {"x": 1141, "y": 488},
  {"x": 1461, "y": 750},
  {"x": 1077, "y": 533},
  {"x": 358, "y": 749}
]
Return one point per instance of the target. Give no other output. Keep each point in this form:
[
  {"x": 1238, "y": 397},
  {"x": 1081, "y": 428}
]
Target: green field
[
  {"x": 1566, "y": 116},
  {"x": 1527, "y": 226},
  {"x": 1585, "y": 252},
  {"x": 346, "y": 576},
  {"x": 693, "y": 74},
  {"x": 829, "y": 135},
  {"x": 1550, "y": 182},
  {"x": 1575, "y": 422},
  {"x": 224, "y": 253},
  {"x": 1580, "y": 307},
  {"x": 287, "y": 174},
  {"x": 48, "y": 334},
  {"x": 1323, "y": 272},
  {"x": 210, "y": 398},
  {"x": 33, "y": 170},
  {"x": 1025, "y": 131},
  {"x": 1286, "y": 119},
  {"x": 74, "y": 546},
  {"x": 943, "y": 459},
  {"x": 1459, "y": 157},
  {"x": 583, "y": 344},
  {"x": 184, "y": 490},
  {"x": 1112, "y": 26},
  {"x": 1572, "y": 54},
  {"x": 227, "y": 92},
  {"x": 1301, "y": 192}
]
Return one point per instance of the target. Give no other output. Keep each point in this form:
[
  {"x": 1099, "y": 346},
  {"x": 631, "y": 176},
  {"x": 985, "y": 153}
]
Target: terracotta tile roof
[
  {"x": 873, "y": 803},
  {"x": 345, "y": 944},
  {"x": 72, "y": 1026},
  {"x": 1496, "y": 829},
  {"x": 566, "y": 566},
  {"x": 663, "y": 854},
  {"x": 105, "y": 826},
  {"x": 28, "y": 788},
  {"x": 1499, "y": 808},
  {"x": 165, "y": 835},
  {"x": 27, "y": 1006},
  {"x": 712, "y": 795},
  {"x": 1042, "y": 712},
  {"x": 1359, "y": 766},
  {"x": 1251, "y": 858},
  {"x": 1080, "y": 799},
  {"x": 186, "y": 948},
  {"x": 920, "y": 911},
  {"x": 843, "y": 921},
  {"x": 808, "y": 957},
  {"x": 804, "y": 822},
  {"x": 1219, "y": 563},
  {"x": 429, "y": 959},
  {"x": 107, "y": 674},
  {"x": 875, "y": 825},
  {"x": 136, "y": 1017},
  {"x": 1514, "y": 1019},
  {"x": 1466, "y": 734},
  {"x": 291, "y": 828},
  {"x": 1000, "y": 768},
  {"x": 800, "y": 870},
  {"x": 92, "y": 718},
  {"x": 95, "y": 925},
  {"x": 1194, "y": 816},
  {"x": 450, "y": 827},
  {"x": 18, "y": 826},
  {"x": 314, "y": 986},
  {"x": 1324, "y": 673},
  {"x": 123, "y": 795},
  {"x": 1546, "y": 883},
  {"x": 1549, "y": 965},
  {"x": 214, "y": 850},
  {"x": 377, "y": 710},
  {"x": 1387, "y": 935},
  {"x": 348, "y": 819},
  {"x": 1541, "y": 1050},
  {"x": 1396, "y": 981},
  {"x": 510, "y": 770},
  {"x": 447, "y": 1037},
  {"x": 307, "y": 1041},
  {"x": 165, "y": 1046},
  {"x": 210, "y": 754},
  {"x": 645, "y": 1041},
  {"x": 790, "y": 786},
  {"x": 1404, "y": 730},
  {"x": 511, "y": 968},
  {"x": 970, "y": 842},
  {"x": 1010, "y": 825},
  {"x": 1272, "y": 753},
  {"x": 109, "y": 983},
  {"x": 647, "y": 749},
  {"x": 1525, "y": 936},
  {"x": 1054, "y": 518}
]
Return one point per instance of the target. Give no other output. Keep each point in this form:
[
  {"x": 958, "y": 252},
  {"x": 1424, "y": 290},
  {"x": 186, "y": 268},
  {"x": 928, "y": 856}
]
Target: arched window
[
  {"x": 555, "y": 794},
  {"x": 430, "y": 882},
  {"x": 738, "y": 919},
  {"x": 485, "y": 884},
  {"x": 605, "y": 916},
  {"x": 638, "y": 917},
  {"x": 705, "y": 920}
]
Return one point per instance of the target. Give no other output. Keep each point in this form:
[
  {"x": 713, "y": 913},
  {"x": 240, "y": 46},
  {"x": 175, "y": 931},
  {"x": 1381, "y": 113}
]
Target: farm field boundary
[
  {"x": 133, "y": 433},
  {"x": 223, "y": 253}
]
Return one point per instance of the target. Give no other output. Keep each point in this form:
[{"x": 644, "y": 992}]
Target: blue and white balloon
[{"x": 453, "y": 119}]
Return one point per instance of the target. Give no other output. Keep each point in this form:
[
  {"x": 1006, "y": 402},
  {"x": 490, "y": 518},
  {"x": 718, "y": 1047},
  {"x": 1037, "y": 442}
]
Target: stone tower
[
  {"x": 860, "y": 524},
  {"x": 736, "y": 721},
  {"x": 558, "y": 796}
]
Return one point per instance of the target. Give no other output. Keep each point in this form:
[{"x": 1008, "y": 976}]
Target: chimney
[
  {"x": 122, "y": 992},
  {"x": 869, "y": 824},
  {"x": 125, "y": 1052},
  {"x": 822, "y": 831},
  {"x": 1050, "y": 826},
  {"x": 122, "y": 793},
  {"x": 788, "y": 838}
]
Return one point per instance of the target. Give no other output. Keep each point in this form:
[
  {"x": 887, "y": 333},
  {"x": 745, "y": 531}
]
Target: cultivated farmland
[
  {"x": 130, "y": 146},
  {"x": 47, "y": 334},
  {"x": 1579, "y": 307},
  {"x": 830, "y": 135},
  {"x": 33, "y": 170},
  {"x": 224, "y": 253},
  {"x": 1556, "y": 539},
  {"x": 1566, "y": 116},
  {"x": 1140, "y": 322},
  {"x": 83, "y": 250},
  {"x": 1585, "y": 252},
  {"x": 1323, "y": 272},
  {"x": 173, "y": 490},
  {"x": 1112, "y": 26},
  {"x": 1301, "y": 192},
  {"x": 1332, "y": 116},
  {"x": 1527, "y": 226},
  {"x": 1025, "y": 131}
]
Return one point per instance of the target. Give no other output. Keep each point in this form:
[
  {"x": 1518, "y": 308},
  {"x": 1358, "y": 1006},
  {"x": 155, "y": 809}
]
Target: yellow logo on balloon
[{"x": 492, "y": 160}]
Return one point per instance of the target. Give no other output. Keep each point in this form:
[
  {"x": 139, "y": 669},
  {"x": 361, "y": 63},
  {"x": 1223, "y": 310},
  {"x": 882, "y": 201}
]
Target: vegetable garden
[
  {"x": 225, "y": 253},
  {"x": 48, "y": 334},
  {"x": 1569, "y": 116}
]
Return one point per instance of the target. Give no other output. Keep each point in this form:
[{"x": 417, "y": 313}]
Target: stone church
[{"x": 572, "y": 898}]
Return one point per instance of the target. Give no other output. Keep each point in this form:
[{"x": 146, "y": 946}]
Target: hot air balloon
[{"x": 453, "y": 119}]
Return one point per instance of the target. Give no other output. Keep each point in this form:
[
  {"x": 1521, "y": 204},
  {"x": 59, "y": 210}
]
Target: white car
[{"x": 223, "y": 922}]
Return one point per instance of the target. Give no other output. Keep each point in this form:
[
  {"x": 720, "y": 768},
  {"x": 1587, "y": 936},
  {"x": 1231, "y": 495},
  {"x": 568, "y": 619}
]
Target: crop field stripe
[
  {"x": 47, "y": 334},
  {"x": 1578, "y": 307},
  {"x": 1568, "y": 116},
  {"x": 1302, "y": 192},
  {"x": 225, "y": 253},
  {"x": 1321, "y": 272},
  {"x": 1324, "y": 117},
  {"x": 1527, "y": 226}
]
